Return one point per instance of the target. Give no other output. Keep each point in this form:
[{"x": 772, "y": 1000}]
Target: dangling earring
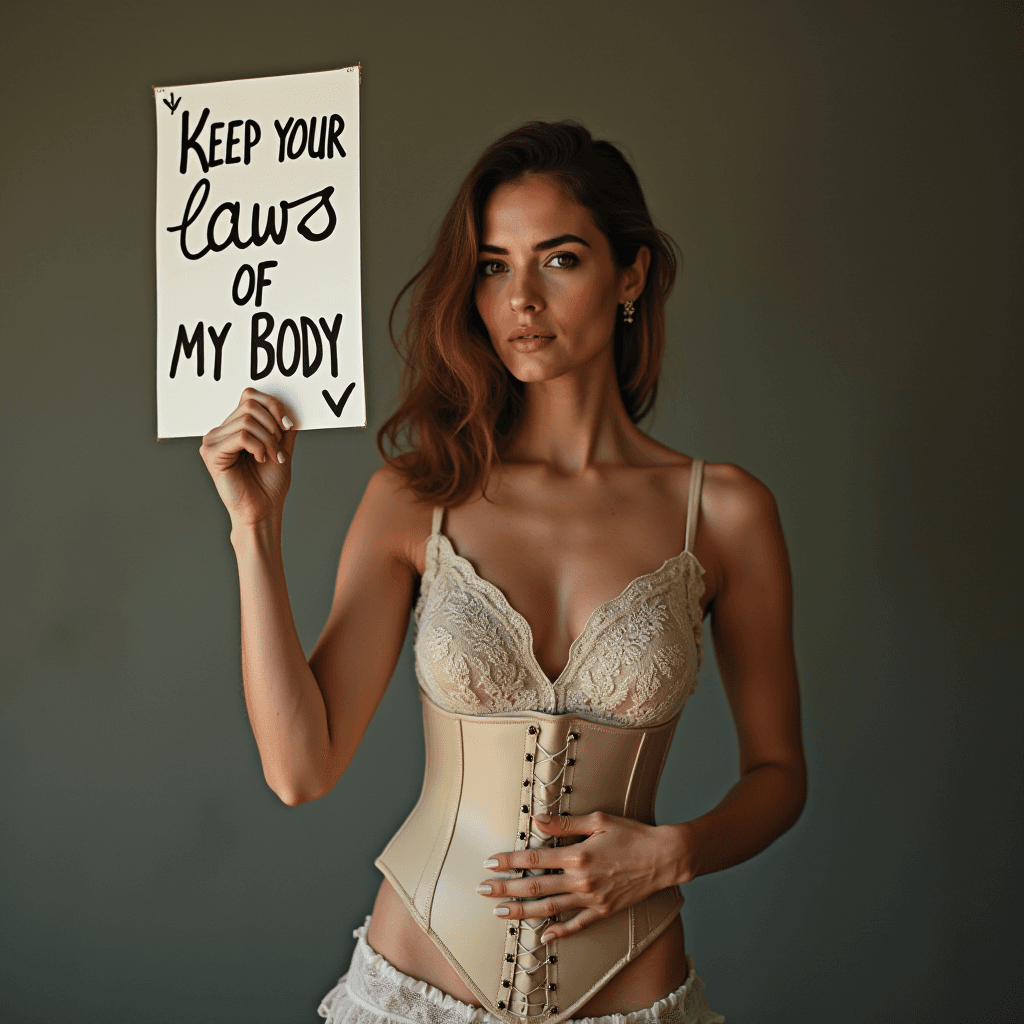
[{"x": 627, "y": 311}]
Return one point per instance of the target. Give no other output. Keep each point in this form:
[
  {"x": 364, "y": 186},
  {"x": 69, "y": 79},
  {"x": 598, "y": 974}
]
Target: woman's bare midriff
[{"x": 657, "y": 971}]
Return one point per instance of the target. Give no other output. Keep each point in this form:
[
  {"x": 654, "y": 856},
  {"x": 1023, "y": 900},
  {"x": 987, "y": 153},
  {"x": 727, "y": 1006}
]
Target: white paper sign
[{"x": 257, "y": 250}]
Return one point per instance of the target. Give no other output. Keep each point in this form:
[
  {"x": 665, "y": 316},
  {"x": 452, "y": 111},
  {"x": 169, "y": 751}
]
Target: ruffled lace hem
[{"x": 376, "y": 992}]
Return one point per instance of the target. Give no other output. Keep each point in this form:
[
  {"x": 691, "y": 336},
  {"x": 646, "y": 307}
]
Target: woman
[{"x": 552, "y": 554}]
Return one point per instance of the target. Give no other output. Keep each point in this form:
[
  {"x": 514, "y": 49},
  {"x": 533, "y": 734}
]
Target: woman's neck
[{"x": 575, "y": 422}]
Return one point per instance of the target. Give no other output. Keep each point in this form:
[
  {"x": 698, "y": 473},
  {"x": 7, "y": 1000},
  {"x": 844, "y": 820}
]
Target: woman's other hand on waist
[{"x": 619, "y": 862}]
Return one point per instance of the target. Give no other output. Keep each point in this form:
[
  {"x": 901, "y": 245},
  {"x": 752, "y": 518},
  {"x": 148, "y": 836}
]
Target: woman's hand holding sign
[{"x": 249, "y": 458}]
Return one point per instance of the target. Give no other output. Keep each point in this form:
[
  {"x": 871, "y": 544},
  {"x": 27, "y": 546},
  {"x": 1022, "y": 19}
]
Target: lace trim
[
  {"x": 632, "y": 664},
  {"x": 694, "y": 592},
  {"x": 433, "y": 560},
  {"x": 440, "y": 544},
  {"x": 686, "y": 997}
]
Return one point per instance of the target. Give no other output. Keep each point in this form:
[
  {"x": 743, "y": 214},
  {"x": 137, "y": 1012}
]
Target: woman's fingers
[
  {"x": 256, "y": 408},
  {"x": 527, "y": 887},
  {"x": 575, "y": 924},
  {"x": 539, "y": 859},
  {"x": 259, "y": 403},
  {"x": 243, "y": 433},
  {"x": 539, "y": 895},
  {"x": 535, "y": 859},
  {"x": 257, "y": 416},
  {"x": 531, "y": 910},
  {"x": 251, "y": 488},
  {"x": 255, "y": 441},
  {"x": 251, "y": 411},
  {"x": 617, "y": 865}
]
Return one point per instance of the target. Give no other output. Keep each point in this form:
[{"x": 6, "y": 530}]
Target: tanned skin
[{"x": 583, "y": 503}]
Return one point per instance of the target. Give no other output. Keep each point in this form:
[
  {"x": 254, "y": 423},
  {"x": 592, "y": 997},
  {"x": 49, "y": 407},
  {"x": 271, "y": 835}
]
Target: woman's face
[{"x": 547, "y": 286}]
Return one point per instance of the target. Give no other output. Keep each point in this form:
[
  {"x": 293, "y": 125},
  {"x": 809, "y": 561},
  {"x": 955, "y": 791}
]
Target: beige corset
[{"x": 485, "y": 777}]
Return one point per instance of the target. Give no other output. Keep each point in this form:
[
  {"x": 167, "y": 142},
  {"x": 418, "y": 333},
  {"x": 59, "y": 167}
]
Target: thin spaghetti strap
[
  {"x": 438, "y": 519},
  {"x": 693, "y": 504}
]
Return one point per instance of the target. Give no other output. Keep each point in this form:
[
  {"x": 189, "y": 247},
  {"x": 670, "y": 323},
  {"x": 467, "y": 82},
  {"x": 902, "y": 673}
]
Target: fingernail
[
  {"x": 501, "y": 911},
  {"x": 484, "y": 890},
  {"x": 287, "y": 421},
  {"x": 548, "y": 937},
  {"x": 280, "y": 457},
  {"x": 541, "y": 817},
  {"x": 492, "y": 863}
]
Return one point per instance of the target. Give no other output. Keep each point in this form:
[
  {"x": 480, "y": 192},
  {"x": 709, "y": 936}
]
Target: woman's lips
[{"x": 529, "y": 342}]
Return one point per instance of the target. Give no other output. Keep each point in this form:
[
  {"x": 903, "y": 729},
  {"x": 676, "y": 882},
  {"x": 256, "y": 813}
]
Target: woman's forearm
[
  {"x": 285, "y": 705},
  {"x": 763, "y": 804}
]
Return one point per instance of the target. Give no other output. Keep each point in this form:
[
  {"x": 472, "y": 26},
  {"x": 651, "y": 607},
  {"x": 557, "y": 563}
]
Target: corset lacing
[{"x": 548, "y": 780}]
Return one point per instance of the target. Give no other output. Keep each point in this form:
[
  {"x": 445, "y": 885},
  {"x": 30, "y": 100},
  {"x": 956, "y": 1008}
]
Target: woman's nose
[{"x": 525, "y": 296}]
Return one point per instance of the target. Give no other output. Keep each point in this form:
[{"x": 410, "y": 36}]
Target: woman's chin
[
  {"x": 535, "y": 373},
  {"x": 548, "y": 365}
]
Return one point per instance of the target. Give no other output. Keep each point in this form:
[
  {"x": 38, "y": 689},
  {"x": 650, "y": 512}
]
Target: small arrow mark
[
  {"x": 173, "y": 103},
  {"x": 336, "y": 407}
]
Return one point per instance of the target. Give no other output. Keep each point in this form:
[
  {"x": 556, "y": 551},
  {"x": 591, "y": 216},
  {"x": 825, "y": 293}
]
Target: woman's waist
[
  {"x": 500, "y": 769},
  {"x": 486, "y": 777},
  {"x": 485, "y": 780},
  {"x": 395, "y": 934}
]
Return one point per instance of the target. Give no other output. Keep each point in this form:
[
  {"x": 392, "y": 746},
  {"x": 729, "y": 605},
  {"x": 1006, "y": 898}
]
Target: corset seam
[{"x": 447, "y": 831}]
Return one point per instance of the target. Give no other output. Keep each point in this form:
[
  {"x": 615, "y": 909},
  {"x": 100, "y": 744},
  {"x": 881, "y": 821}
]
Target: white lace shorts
[{"x": 375, "y": 992}]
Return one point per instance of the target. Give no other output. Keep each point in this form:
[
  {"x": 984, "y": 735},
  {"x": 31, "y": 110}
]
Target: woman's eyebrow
[
  {"x": 549, "y": 243},
  {"x": 560, "y": 240}
]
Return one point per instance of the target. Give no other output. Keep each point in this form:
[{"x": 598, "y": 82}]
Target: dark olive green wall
[{"x": 844, "y": 181}]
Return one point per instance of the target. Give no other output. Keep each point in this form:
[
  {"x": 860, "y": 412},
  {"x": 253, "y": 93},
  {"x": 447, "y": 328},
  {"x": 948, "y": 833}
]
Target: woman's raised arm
[{"x": 309, "y": 717}]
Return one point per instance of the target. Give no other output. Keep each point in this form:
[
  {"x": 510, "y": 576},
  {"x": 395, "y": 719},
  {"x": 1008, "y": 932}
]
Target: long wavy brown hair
[{"x": 458, "y": 401}]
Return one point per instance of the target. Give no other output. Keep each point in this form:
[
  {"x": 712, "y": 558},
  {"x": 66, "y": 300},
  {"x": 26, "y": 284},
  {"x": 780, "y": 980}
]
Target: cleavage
[{"x": 559, "y": 610}]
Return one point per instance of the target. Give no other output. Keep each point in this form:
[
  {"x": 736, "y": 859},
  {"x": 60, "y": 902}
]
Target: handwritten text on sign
[{"x": 258, "y": 250}]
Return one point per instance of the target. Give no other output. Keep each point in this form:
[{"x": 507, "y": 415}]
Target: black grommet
[
  {"x": 522, "y": 835},
  {"x": 553, "y": 1009},
  {"x": 511, "y": 931},
  {"x": 529, "y": 757},
  {"x": 501, "y": 1005},
  {"x": 509, "y": 958},
  {"x": 505, "y": 984},
  {"x": 526, "y": 809},
  {"x": 574, "y": 735},
  {"x": 526, "y": 782},
  {"x": 532, "y": 730},
  {"x": 552, "y": 986},
  {"x": 552, "y": 959},
  {"x": 571, "y": 761}
]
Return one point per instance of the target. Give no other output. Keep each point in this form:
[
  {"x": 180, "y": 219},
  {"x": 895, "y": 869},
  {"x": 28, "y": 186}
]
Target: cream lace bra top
[{"x": 634, "y": 664}]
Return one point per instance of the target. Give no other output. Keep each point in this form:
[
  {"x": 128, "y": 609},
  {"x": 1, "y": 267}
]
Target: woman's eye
[
  {"x": 566, "y": 260},
  {"x": 488, "y": 268}
]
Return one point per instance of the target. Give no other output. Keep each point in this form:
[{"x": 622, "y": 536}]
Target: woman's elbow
[
  {"x": 296, "y": 791},
  {"x": 798, "y": 775},
  {"x": 294, "y": 796}
]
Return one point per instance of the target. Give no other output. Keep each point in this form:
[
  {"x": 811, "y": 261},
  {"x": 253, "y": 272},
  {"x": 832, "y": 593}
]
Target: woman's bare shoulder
[
  {"x": 397, "y": 517},
  {"x": 734, "y": 498},
  {"x": 740, "y": 518}
]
